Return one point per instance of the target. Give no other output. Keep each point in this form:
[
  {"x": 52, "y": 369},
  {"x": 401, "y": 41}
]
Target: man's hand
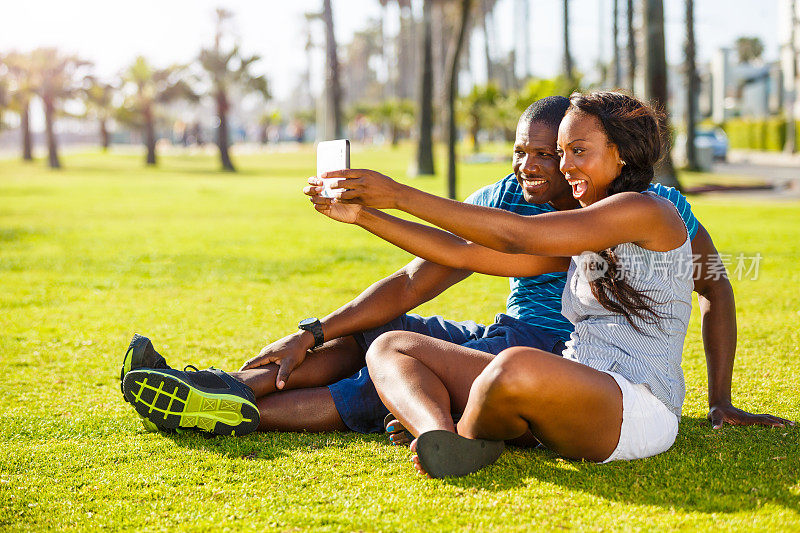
[
  {"x": 347, "y": 213},
  {"x": 719, "y": 415},
  {"x": 287, "y": 353}
]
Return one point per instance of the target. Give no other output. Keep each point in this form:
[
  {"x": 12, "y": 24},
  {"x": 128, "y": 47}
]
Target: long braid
[{"x": 635, "y": 129}]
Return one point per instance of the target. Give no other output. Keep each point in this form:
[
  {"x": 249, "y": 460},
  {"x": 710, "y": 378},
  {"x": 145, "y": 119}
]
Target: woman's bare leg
[
  {"x": 421, "y": 379},
  {"x": 335, "y": 360},
  {"x": 571, "y": 408}
]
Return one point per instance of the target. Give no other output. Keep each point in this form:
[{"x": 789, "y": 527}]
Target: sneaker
[
  {"x": 140, "y": 354},
  {"x": 148, "y": 426},
  {"x": 208, "y": 400}
]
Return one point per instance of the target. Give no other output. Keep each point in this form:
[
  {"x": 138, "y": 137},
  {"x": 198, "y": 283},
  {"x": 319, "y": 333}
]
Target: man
[{"x": 315, "y": 379}]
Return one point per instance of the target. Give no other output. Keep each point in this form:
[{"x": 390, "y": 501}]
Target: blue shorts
[{"x": 357, "y": 400}]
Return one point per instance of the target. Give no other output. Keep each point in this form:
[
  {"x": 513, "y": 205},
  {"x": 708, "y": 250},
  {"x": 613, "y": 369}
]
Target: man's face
[{"x": 536, "y": 164}]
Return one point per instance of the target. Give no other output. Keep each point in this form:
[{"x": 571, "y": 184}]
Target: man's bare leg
[
  {"x": 335, "y": 360},
  {"x": 307, "y": 409}
]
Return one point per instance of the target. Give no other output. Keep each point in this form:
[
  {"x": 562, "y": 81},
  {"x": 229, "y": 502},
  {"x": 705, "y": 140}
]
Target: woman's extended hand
[
  {"x": 347, "y": 213},
  {"x": 365, "y": 187}
]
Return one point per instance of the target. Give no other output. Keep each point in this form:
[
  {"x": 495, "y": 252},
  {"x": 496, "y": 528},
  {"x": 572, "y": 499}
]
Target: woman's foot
[
  {"x": 398, "y": 434},
  {"x": 442, "y": 453}
]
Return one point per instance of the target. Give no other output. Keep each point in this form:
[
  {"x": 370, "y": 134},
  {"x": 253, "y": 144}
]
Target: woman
[{"x": 617, "y": 392}]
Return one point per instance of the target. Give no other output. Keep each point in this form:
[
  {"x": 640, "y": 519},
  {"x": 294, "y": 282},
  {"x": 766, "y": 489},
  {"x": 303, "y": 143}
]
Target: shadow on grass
[
  {"x": 263, "y": 446},
  {"x": 712, "y": 471}
]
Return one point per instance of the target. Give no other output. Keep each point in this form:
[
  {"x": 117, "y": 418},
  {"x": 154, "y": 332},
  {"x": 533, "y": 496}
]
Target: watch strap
[{"x": 315, "y": 328}]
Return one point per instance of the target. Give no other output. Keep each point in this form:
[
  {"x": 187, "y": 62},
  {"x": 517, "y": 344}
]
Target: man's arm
[
  {"x": 718, "y": 326},
  {"x": 409, "y": 287},
  {"x": 386, "y": 299}
]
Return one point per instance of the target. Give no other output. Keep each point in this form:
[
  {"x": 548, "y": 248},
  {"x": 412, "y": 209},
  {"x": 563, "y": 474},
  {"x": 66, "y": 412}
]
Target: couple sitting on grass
[{"x": 587, "y": 360}]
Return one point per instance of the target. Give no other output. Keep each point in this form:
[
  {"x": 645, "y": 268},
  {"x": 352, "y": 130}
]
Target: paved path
[{"x": 781, "y": 171}]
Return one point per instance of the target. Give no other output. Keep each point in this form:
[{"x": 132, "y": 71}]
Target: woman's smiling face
[{"x": 589, "y": 160}]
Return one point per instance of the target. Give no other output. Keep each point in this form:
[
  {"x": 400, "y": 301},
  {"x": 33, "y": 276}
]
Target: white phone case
[{"x": 332, "y": 155}]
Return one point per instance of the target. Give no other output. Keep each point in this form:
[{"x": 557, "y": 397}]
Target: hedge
[{"x": 753, "y": 134}]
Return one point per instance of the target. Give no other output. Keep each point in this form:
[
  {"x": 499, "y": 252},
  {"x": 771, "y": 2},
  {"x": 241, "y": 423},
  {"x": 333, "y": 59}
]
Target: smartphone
[{"x": 332, "y": 155}]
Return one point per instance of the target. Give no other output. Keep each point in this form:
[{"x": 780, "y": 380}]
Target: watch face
[{"x": 307, "y": 322}]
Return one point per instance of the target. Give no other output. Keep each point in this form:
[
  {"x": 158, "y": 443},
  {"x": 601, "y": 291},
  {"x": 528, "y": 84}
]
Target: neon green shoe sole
[
  {"x": 167, "y": 400},
  {"x": 148, "y": 426}
]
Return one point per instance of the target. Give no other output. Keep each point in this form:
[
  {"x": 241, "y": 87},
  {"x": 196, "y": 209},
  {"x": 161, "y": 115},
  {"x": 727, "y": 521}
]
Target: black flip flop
[{"x": 446, "y": 454}]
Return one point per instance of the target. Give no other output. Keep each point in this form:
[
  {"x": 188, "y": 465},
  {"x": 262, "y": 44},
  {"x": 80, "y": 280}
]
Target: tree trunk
[
  {"x": 333, "y": 88},
  {"x": 615, "y": 44},
  {"x": 655, "y": 82},
  {"x": 405, "y": 57},
  {"x": 49, "y": 119},
  {"x": 489, "y": 65},
  {"x": 425, "y": 121},
  {"x": 105, "y": 138},
  {"x": 567, "y": 56},
  {"x": 631, "y": 78},
  {"x": 691, "y": 86},
  {"x": 452, "y": 89},
  {"x": 474, "y": 131},
  {"x": 25, "y": 127},
  {"x": 149, "y": 136},
  {"x": 222, "y": 130},
  {"x": 790, "y": 145}
]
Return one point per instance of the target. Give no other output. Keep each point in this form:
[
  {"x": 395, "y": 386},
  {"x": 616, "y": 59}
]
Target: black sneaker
[
  {"x": 140, "y": 354},
  {"x": 208, "y": 400}
]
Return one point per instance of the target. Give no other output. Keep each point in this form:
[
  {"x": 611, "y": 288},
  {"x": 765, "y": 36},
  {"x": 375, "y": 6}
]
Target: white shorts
[{"x": 648, "y": 427}]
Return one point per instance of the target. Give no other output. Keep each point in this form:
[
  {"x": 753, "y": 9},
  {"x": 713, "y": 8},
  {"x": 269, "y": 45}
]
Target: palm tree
[
  {"x": 395, "y": 115},
  {"x": 333, "y": 89},
  {"x": 690, "y": 69},
  {"x": 486, "y": 16},
  {"x": 478, "y": 106},
  {"x": 395, "y": 83},
  {"x": 452, "y": 89},
  {"x": 655, "y": 80},
  {"x": 149, "y": 87},
  {"x": 749, "y": 49},
  {"x": 567, "y": 56},
  {"x": 790, "y": 145},
  {"x": 19, "y": 92},
  {"x": 55, "y": 78},
  {"x": 98, "y": 100},
  {"x": 4, "y": 99},
  {"x": 615, "y": 43},
  {"x": 425, "y": 115},
  {"x": 631, "y": 47},
  {"x": 225, "y": 70}
]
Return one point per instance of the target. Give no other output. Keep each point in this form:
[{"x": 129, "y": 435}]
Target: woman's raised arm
[
  {"x": 436, "y": 245},
  {"x": 625, "y": 217}
]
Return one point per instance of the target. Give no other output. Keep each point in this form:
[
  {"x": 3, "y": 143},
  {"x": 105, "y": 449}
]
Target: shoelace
[{"x": 194, "y": 368}]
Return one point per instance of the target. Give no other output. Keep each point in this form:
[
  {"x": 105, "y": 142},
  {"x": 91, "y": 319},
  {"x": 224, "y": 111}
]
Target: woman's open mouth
[{"x": 579, "y": 187}]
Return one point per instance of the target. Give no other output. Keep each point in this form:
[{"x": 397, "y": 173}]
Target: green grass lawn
[{"x": 211, "y": 266}]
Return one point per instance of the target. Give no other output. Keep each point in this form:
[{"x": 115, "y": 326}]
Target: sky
[{"x": 112, "y": 34}]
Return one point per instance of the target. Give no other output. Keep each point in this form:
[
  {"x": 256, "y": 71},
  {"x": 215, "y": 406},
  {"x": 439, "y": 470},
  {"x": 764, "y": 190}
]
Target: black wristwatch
[{"x": 313, "y": 325}]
